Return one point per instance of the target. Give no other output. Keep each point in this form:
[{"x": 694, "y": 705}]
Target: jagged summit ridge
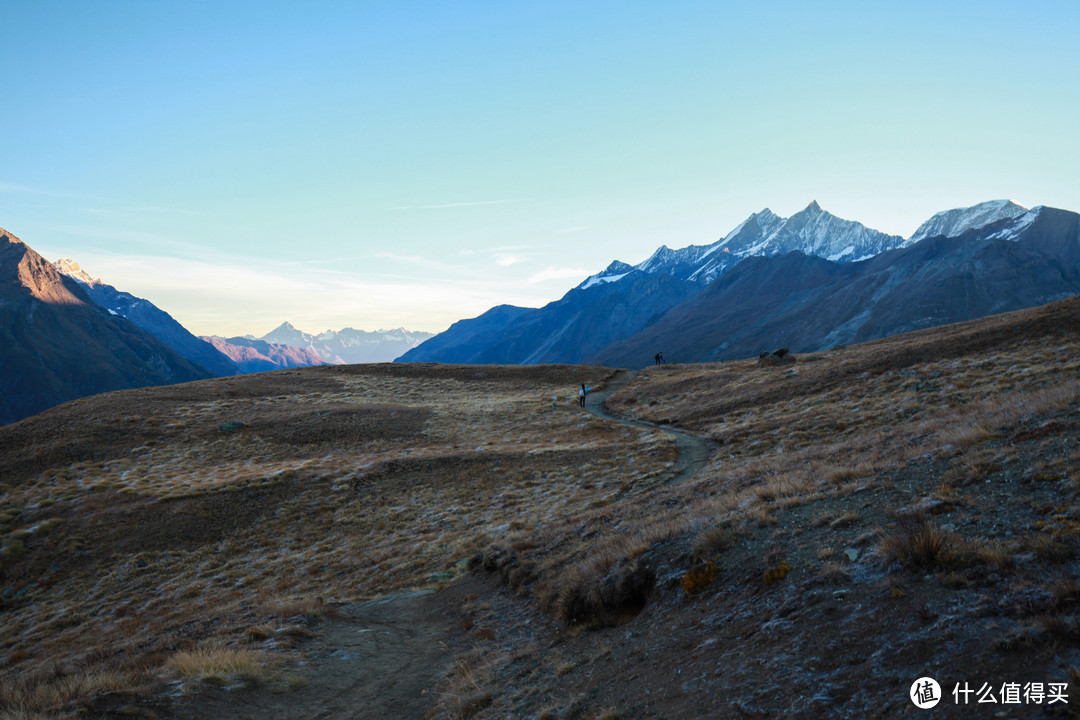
[
  {"x": 347, "y": 345},
  {"x": 812, "y": 230},
  {"x": 952, "y": 223}
]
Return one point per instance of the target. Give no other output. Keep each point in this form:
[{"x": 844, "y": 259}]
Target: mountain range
[
  {"x": 150, "y": 318},
  {"x": 282, "y": 347},
  {"x": 806, "y": 282},
  {"x": 57, "y": 344},
  {"x": 251, "y": 355},
  {"x": 65, "y": 334},
  {"x": 348, "y": 346}
]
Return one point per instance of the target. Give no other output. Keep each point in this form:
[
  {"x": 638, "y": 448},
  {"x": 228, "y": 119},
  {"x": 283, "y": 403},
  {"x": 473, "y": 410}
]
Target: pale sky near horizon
[{"x": 382, "y": 164}]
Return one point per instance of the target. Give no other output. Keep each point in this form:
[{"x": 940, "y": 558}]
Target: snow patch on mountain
[
  {"x": 952, "y": 223},
  {"x": 598, "y": 280},
  {"x": 348, "y": 345},
  {"x": 69, "y": 267},
  {"x": 1018, "y": 225}
]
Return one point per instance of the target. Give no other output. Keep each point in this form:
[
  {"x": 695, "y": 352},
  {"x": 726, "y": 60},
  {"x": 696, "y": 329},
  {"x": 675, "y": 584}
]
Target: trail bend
[{"x": 694, "y": 452}]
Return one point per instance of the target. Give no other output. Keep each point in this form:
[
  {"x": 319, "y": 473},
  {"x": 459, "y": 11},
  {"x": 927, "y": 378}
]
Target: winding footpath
[
  {"x": 379, "y": 658},
  {"x": 694, "y": 453}
]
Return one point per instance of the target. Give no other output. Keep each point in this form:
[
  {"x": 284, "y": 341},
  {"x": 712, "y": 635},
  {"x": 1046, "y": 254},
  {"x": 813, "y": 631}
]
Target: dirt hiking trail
[
  {"x": 694, "y": 453},
  {"x": 376, "y": 659},
  {"x": 385, "y": 658}
]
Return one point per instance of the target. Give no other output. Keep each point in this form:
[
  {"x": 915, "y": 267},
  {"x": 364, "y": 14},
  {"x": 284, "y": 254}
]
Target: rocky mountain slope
[
  {"x": 56, "y": 344},
  {"x": 772, "y": 299},
  {"x": 808, "y": 303},
  {"x": 567, "y": 330},
  {"x": 150, "y": 318}
]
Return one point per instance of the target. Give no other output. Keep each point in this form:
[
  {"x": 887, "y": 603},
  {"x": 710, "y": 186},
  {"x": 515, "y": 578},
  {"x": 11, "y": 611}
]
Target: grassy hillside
[
  {"x": 140, "y": 525},
  {"x": 869, "y": 515}
]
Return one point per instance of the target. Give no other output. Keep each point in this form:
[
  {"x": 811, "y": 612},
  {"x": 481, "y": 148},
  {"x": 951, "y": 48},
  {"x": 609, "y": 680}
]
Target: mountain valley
[{"x": 869, "y": 515}]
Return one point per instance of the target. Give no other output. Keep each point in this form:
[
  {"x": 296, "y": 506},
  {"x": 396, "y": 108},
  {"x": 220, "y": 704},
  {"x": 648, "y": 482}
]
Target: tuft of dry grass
[
  {"x": 223, "y": 665},
  {"x": 45, "y": 695},
  {"x": 834, "y": 573},
  {"x": 921, "y": 544},
  {"x": 309, "y": 608}
]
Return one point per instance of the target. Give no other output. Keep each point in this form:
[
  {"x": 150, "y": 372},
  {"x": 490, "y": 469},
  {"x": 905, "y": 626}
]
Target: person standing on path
[{"x": 581, "y": 395}]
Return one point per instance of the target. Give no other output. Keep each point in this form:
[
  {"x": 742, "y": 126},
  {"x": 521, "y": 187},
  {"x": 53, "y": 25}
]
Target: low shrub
[
  {"x": 699, "y": 577},
  {"x": 922, "y": 544},
  {"x": 606, "y": 592}
]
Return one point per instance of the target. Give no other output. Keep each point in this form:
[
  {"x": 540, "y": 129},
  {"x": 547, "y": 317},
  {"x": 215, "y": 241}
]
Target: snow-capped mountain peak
[
  {"x": 71, "y": 268},
  {"x": 813, "y": 231},
  {"x": 287, "y": 334},
  {"x": 614, "y": 272},
  {"x": 951, "y": 223},
  {"x": 348, "y": 345}
]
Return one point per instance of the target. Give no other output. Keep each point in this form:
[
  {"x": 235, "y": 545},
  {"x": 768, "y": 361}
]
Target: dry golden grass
[
  {"x": 222, "y": 666},
  {"x": 345, "y": 483},
  {"x": 175, "y": 530},
  {"x": 58, "y": 692},
  {"x": 808, "y": 451}
]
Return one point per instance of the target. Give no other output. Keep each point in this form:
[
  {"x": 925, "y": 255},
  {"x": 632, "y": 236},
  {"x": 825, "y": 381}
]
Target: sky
[{"x": 384, "y": 164}]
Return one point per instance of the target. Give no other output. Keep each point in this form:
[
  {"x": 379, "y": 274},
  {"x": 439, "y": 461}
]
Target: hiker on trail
[
  {"x": 659, "y": 358},
  {"x": 581, "y": 395}
]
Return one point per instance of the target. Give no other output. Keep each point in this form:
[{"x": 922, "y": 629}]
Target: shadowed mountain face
[
  {"x": 807, "y": 282},
  {"x": 57, "y": 345},
  {"x": 568, "y": 330},
  {"x": 461, "y": 341},
  {"x": 807, "y": 303},
  {"x": 152, "y": 319}
]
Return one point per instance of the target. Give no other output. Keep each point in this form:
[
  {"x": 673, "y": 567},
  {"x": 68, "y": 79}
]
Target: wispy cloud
[
  {"x": 558, "y": 274},
  {"x": 508, "y": 259},
  {"x": 571, "y": 230},
  {"x": 471, "y": 203}
]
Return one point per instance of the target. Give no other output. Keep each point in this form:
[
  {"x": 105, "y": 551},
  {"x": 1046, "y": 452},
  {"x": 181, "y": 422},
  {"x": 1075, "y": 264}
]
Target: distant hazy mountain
[
  {"x": 56, "y": 344},
  {"x": 614, "y": 317},
  {"x": 808, "y": 303},
  {"x": 150, "y": 318},
  {"x": 349, "y": 345},
  {"x": 252, "y": 355}
]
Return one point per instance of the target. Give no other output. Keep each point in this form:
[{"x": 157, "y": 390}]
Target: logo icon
[{"x": 925, "y": 693}]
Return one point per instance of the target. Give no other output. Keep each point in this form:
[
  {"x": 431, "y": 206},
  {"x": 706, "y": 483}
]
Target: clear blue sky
[{"x": 379, "y": 164}]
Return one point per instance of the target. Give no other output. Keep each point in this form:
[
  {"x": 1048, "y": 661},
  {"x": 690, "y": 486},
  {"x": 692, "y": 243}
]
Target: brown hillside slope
[
  {"x": 871, "y": 515},
  {"x": 141, "y": 525}
]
